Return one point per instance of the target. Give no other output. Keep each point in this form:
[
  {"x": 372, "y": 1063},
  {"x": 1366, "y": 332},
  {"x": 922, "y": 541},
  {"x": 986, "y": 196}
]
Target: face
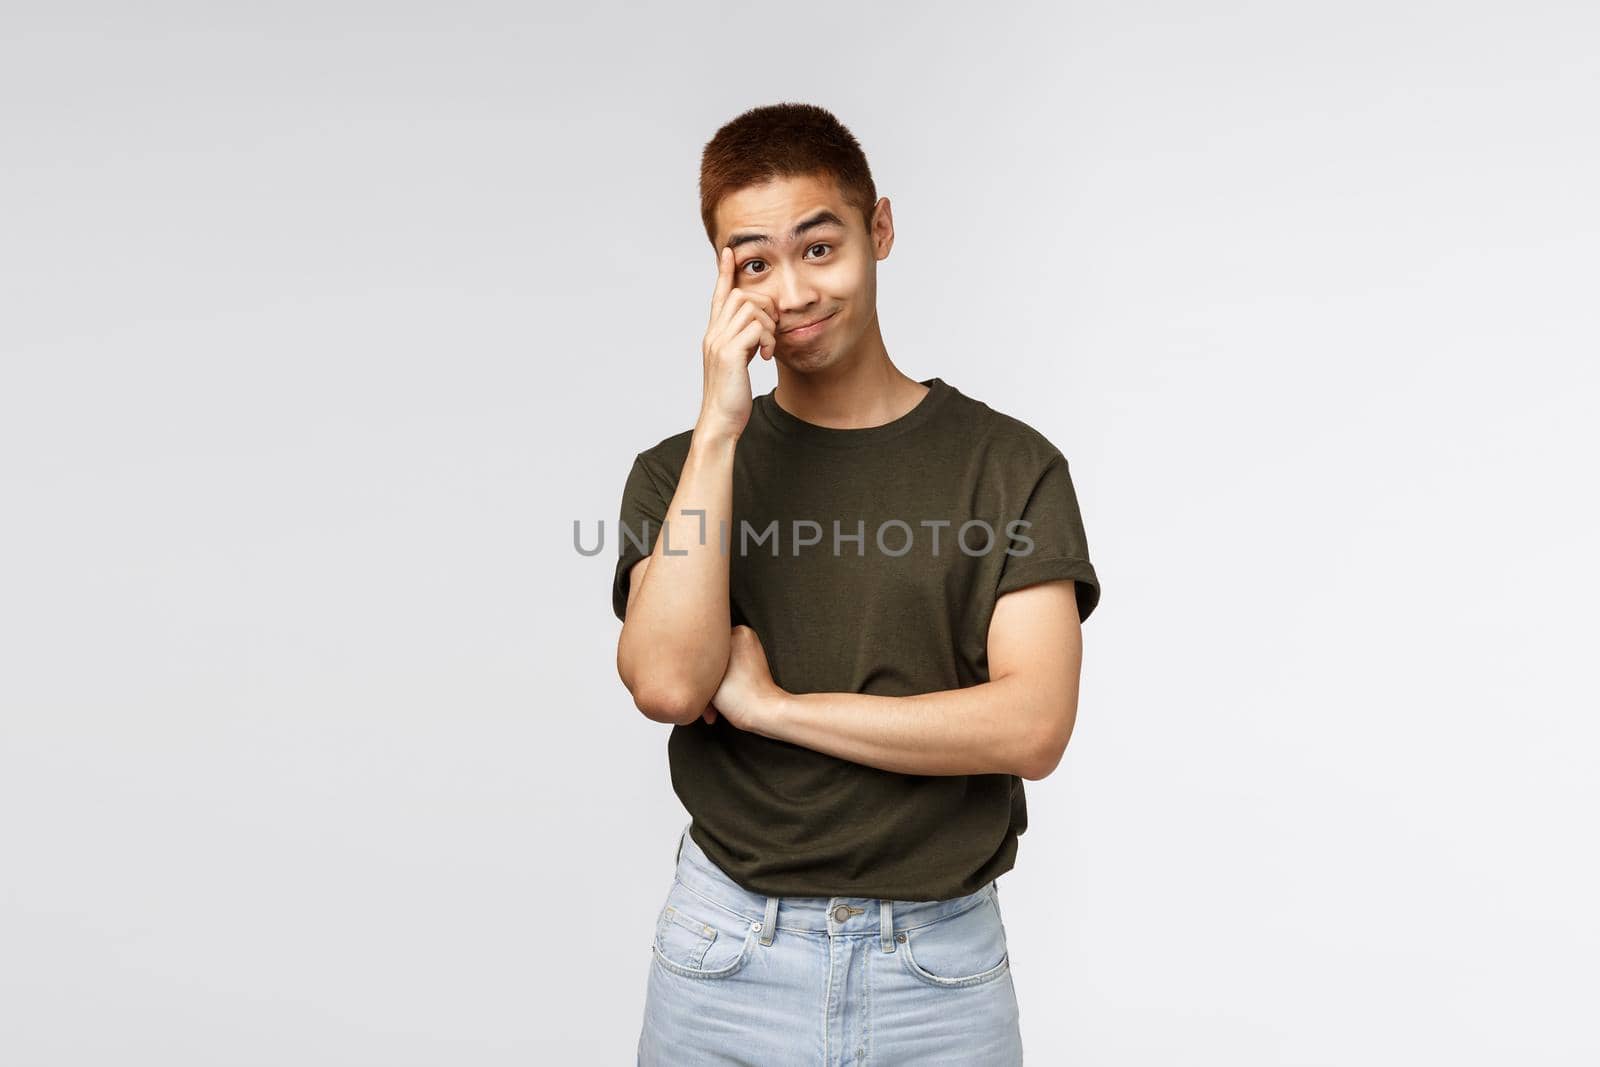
[{"x": 797, "y": 241}]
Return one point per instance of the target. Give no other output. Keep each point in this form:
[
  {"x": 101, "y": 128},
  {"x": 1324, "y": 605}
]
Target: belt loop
[
  {"x": 681, "y": 836},
  {"x": 769, "y": 925},
  {"x": 886, "y": 924}
]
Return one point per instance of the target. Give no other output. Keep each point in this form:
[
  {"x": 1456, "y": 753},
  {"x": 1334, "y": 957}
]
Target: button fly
[{"x": 842, "y": 912}]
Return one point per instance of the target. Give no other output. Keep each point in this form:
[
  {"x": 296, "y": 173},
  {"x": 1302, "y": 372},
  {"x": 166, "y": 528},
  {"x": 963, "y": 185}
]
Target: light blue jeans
[{"x": 741, "y": 978}]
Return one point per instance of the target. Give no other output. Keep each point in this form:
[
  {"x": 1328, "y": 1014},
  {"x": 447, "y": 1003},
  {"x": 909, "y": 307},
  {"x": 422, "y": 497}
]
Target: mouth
[{"x": 810, "y": 329}]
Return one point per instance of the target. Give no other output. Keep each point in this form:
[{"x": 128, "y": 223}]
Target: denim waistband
[{"x": 835, "y": 916}]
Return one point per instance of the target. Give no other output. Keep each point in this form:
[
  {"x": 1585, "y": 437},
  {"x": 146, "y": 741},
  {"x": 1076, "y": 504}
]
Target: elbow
[
  {"x": 665, "y": 692},
  {"x": 658, "y": 698},
  {"x": 668, "y": 705},
  {"x": 1037, "y": 767},
  {"x": 1042, "y": 755}
]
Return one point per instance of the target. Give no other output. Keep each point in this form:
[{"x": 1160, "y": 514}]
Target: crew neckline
[{"x": 834, "y": 437}]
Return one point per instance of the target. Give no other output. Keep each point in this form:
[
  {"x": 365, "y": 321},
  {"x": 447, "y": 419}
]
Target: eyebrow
[{"x": 821, "y": 218}]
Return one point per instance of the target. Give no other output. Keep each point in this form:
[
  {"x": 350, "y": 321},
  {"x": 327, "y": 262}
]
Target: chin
[
  {"x": 806, "y": 362},
  {"x": 816, "y": 356}
]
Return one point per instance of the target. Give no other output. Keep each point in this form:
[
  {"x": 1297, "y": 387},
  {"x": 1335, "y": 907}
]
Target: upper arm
[
  {"x": 1035, "y": 635},
  {"x": 636, "y": 578},
  {"x": 639, "y": 522}
]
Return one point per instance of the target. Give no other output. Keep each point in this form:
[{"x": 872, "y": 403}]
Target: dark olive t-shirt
[{"x": 867, "y": 561}]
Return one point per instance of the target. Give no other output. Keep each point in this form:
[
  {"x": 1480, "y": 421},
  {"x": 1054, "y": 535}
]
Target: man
[{"x": 857, "y": 600}]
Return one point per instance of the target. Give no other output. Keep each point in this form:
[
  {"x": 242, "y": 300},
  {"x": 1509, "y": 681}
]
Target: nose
[{"x": 794, "y": 295}]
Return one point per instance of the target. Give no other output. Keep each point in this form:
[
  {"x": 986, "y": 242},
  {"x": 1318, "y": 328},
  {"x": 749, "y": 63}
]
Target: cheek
[
  {"x": 846, "y": 282},
  {"x": 857, "y": 274}
]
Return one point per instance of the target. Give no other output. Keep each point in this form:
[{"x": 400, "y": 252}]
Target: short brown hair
[{"x": 783, "y": 140}]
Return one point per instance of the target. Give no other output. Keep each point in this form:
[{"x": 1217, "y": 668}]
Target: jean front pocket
[
  {"x": 696, "y": 938},
  {"x": 964, "y": 949}
]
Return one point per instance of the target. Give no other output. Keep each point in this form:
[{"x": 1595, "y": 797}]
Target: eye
[
  {"x": 746, "y": 263},
  {"x": 820, "y": 244}
]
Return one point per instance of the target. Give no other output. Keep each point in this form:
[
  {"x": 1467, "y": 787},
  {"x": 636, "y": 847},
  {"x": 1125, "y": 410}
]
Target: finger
[
  {"x": 740, "y": 307},
  {"x": 724, "y": 280},
  {"x": 747, "y": 306},
  {"x": 750, "y": 328},
  {"x": 767, "y": 304},
  {"x": 750, "y": 339},
  {"x": 761, "y": 304}
]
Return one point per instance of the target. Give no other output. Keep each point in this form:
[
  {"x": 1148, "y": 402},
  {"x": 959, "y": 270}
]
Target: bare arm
[
  {"x": 674, "y": 646},
  {"x": 1018, "y": 722}
]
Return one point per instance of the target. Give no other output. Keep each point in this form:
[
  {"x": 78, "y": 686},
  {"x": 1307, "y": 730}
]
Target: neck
[{"x": 861, "y": 393}]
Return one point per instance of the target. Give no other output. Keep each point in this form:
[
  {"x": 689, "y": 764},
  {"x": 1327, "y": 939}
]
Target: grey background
[{"x": 322, "y": 323}]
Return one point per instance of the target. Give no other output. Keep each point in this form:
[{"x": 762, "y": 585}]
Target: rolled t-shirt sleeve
[
  {"x": 1048, "y": 543},
  {"x": 644, "y": 506}
]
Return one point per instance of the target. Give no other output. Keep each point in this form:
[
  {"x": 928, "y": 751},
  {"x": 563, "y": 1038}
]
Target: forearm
[
  {"x": 674, "y": 641},
  {"x": 990, "y": 728}
]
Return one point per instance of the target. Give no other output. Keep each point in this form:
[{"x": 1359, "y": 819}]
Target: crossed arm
[{"x": 1018, "y": 722}]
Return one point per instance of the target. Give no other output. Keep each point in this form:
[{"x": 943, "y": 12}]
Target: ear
[{"x": 882, "y": 228}]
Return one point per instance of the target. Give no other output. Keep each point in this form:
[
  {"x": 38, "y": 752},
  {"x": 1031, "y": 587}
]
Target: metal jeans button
[{"x": 841, "y": 913}]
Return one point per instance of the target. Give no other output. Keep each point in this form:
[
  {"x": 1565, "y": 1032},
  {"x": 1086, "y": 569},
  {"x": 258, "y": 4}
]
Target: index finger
[{"x": 724, "y": 279}]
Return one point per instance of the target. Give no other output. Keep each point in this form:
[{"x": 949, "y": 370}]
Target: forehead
[{"x": 774, "y": 206}]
